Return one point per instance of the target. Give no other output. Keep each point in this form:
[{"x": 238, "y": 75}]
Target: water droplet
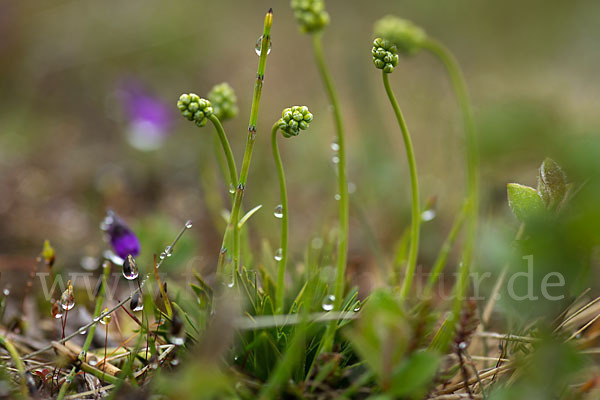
[
  {"x": 6, "y": 291},
  {"x": 89, "y": 263},
  {"x": 231, "y": 189},
  {"x": 130, "y": 270},
  {"x": 231, "y": 284},
  {"x": 335, "y": 159},
  {"x": 56, "y": 311},
  {"x": 107, "y": 318},
  {"x": 328, "y": 302},
  {"x": 169, "y": 251},
  {"x": 258, "y": 47},
  {"x": 278, "y": 254},
  {"x": 92, "y": 361},
  {"x": 357, "y": 308},
  {"x": 136, "y": 304},
  {"x": 428, "y": 215},
  {"x": 96, "y": 319},
  {"x": 178, "y": 341},
  {"x": 335, "y": 146},
  {"x": 83, "y": 332},
  {"x": 278, "y": 213},
  {"x": 67, "y": 298},
  {"x": 351, "y": 187},
  {"x": 337, "y": 197},
  {"x": 188, "y": 224},
  {"x": 162, "y": 255},
  {"x": 462, "y": 345},
  {"x": 175, "y": 362}
]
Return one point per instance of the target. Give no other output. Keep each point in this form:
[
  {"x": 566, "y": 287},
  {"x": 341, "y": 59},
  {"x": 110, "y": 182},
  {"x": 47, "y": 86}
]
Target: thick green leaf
[
  {"x": 414, "y": 375},
  {"x": 552, "y": 183},
  {"x": 524, "y": 201}
]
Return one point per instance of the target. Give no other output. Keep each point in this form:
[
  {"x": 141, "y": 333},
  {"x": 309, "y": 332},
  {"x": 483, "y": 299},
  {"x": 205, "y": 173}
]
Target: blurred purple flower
[
  {"x": 121, "y": 237},
  {"x": 148, "y": 116}
]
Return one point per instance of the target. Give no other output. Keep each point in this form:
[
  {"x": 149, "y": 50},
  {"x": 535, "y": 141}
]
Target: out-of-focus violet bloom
[
  {"x": 121, "y": 237},
  {"x": 148, "y": 116}
]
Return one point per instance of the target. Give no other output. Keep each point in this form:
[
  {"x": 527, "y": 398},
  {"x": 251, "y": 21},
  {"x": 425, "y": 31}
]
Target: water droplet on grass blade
[
  {"x": 188, "y": 224},
  {"x": 67, "y": 298},
  {"x": 56, "y": 311},
  {"x": 258, "y": 48},
  {"x": 6, "y": 291},
  {"x": 278, "y": 254},
  {"x": 337, "y": 197},
  {"x": 328, "y": 302},
  {"x": 169, "y": 251},
  {"x": 136, "y": 304},
  {"x": 130, "y": 270},
  {"x": 335, "y": 146},
  {"x": 278, "y": 213}
]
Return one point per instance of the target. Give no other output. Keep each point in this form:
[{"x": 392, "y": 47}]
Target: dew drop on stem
[
  {"x": 130, "y": 270},
  {"x": 188, "y": 224},
  {"x": 67, "y": 298},
  {"x": 136, "y": 304},
  {"x": 278, "y": 213},
  {"x": 428, "y": 215},
  {"x": 56, "y": 311},
  {"x": 278, "y": 254},
  {"x": 169, "y": 251},
  {"x": 258, "y": 47},
  {"x": 328, "y": 302},
  {"x": 335, "y": 146}
]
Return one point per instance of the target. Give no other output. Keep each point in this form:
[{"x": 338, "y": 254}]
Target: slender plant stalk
[
  {"x": 442, "y": 257},
  {"x": 414, "y": 183},
  {"x": 14, "y": 354},
  {"x": 472, "y": 156},
  {"x": 241, "y": 187},
  {"x": 284, "y": 220},
  {"x": 343, "y": 207},
  {"x": 233, "y": 176},
  {"x": 90, "y": 334},
  {"x": 342, "y": 247}
]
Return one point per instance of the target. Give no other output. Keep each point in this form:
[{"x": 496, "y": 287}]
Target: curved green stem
[
  {"x": 472, "y": 156},
  {"x": 232, "y": 225},
  {"x": 284, "y": 220},
  {"x": 414, "y": 183},
  {"x": 233, "y": 176},
  {"x": 90, "y": 334},
  {"x": 344, "y": 209},
  {"x": 14, "y": 354}
]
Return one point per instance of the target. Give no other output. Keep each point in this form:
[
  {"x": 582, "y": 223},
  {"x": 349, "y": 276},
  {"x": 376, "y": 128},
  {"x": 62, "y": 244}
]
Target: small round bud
[
  {"x": 293, "y": 120},
  {"x": 385, "y": 55},
  {"x": 407, "y": 37},
  {"x": 310, "y": 15},
  {"x": 194, "y": 108},
  {"x": 224, "y": 101}
]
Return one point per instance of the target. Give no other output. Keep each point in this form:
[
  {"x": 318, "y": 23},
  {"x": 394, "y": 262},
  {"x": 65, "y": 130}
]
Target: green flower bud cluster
[
  {"x": 224, "y": 101},
  {"x": 293, "y": 119},
  {"x": 385, "y": 55},
  {"x": 194, "y": 108},
  {"x": 407, "y": 37},
  {"x": 310, "y": 14}
]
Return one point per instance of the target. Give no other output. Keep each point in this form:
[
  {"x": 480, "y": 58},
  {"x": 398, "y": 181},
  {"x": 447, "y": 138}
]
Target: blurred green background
[{"x": 73, "y": 72}]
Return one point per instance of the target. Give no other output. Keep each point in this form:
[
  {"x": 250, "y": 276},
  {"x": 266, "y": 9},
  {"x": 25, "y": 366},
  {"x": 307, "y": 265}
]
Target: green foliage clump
[
  {"x": 310, "y": 14},
  {"x": 224, "y": 101},
  {"x": 407, "y": 37},
  {"x": 194, "y": 108},
  {"x": 385, "y": 55},
  {"x": 294, "y": 119}
]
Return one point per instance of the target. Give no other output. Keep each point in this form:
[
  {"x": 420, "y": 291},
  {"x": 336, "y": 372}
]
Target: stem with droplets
[
  {"x": 284, "y": 220},
  {"x": 232, "y": 225},
  {"x": 344, "y": 209}
]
